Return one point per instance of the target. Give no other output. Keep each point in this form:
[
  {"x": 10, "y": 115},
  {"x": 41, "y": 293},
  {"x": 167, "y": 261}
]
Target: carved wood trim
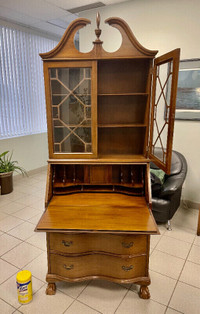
[
  {"x": 51, "y": 278},
  {"x": 67, "y": 39},
  {"x": 130, "y": 46},
  {"x": 97, "y": 253},
  {"x": 128, "y": 39}
]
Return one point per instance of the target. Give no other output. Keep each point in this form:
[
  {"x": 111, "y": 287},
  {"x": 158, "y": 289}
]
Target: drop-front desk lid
[{"x": 98, "y": 212}]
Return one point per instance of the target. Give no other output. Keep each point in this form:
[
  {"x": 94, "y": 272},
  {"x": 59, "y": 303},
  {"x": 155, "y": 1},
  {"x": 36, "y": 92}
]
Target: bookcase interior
[{"x": 123, "y": 76}]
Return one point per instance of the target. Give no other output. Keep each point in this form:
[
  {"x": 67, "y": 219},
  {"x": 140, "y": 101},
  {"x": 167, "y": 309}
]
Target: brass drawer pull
[
  {"x": 67, "y": 243},
  {"x": 127, "y": 268},
  {"x": 127, "y": 245},
  {"x": 68, "y": 267}
]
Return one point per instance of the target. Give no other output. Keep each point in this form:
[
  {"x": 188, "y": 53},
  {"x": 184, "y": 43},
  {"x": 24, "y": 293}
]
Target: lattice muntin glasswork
[
  {"x": 162, "y": 109},
  {"x": 71, "y": 109}
]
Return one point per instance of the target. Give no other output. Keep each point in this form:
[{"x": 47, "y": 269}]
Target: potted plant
[{"x": 7, "y": 167}]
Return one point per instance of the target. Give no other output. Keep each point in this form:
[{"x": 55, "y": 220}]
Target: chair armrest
[{"x": 172, "y": 184}]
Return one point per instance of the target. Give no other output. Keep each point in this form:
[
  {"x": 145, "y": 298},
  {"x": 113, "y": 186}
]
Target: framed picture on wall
[{"x": 188, "y": 93}]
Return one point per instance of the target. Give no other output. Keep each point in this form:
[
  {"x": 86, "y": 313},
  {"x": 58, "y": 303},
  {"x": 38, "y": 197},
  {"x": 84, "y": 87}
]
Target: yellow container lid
[{"x": 23, "y": 276}]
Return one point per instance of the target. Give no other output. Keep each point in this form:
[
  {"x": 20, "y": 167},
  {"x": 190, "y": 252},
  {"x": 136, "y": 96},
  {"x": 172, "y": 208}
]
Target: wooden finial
[
  {"x": 98, "y": 19},
  {"x": 98, "y": 30}
]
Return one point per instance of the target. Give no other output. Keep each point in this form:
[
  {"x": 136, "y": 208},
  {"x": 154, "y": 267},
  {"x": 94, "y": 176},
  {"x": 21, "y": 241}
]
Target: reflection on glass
[
  {"x": 161, "y": 110},
  {"x": 71, "y": 109}
]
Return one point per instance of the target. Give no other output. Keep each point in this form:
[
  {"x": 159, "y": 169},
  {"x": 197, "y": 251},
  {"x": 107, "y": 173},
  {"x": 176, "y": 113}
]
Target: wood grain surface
[{"x": 97, "y": 212}]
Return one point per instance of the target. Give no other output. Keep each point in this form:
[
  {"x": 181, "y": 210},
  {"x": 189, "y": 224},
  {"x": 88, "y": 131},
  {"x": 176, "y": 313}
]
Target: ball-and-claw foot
[
  {"x": 144, "y": 292},
  {"x": 51, "y": 289}
]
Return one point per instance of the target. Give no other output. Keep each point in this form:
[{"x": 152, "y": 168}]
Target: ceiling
[{"x": 48, "y": 16}]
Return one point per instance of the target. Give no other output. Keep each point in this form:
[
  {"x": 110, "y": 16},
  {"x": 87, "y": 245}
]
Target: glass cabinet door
[
  {"x": 165, "y": 78},
  {"x": 72, "y": 111}
]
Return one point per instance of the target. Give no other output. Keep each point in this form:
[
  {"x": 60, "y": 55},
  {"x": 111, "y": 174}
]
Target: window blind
[{"x": 22, "y": 97}]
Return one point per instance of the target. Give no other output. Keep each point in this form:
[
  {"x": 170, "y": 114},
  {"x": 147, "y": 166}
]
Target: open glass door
[{"x": 164, "y": 88}]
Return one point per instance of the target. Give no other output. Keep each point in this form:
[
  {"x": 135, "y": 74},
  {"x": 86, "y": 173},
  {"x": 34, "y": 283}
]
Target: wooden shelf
[
  {"x": 103, "y": 159},
  {"x": 71, "y": 184},
  {"x": 124, "y": 94},
  {"x": 135, "y": 125}
]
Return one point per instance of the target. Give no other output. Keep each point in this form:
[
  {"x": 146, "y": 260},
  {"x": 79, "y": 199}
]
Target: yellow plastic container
[{"x": 24, "y": 286}]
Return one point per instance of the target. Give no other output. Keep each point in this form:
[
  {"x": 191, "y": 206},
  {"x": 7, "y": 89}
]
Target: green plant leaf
[
  {"x": 4, "y": 153},
  {"x": 6, "y": 165}
]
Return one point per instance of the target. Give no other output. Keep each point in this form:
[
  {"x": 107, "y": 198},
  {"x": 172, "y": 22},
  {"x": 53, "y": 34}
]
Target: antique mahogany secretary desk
[{"x": 102, "y": 137}]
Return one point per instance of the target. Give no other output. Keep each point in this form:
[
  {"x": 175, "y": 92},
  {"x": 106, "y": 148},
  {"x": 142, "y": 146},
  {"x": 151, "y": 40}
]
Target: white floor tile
[
  {"x": 162, "y": 228},
  {"x": 14, "y": 196},
  {"x": 38, "y": 267},
  {"x": 197, "y": 240},
  {"x": 2, "y": 215},
  {"x": 172, "y": 311},
  {"x": 166, "y": 264},
  {"x": 9, "y": 223},
  {"x": 181, "y": 233},
  {"x": 186, "y": 218},
  {"x": 194, "y": 255},
  {"x": 191, "y": 274},
  {"x": 26, "y": 213},
  {"x": 133, "y": 304},
  {"x": 39, "y": 176},
  {"x": 4, "y": 201},
  {"x": 173, "y": 247},
  {"x": 46, "y": 304},
  {"x": 103, "y": 296},
  {"x": 12, "y": 207},
  {"x": 41, "y": 184},
  {"x": 8, "y": 290},
  {"x": 154, "y": 240},
  {"x": 80, "y": 308},
  {"x": 6, "y": 270},
  {"x": 39, "y": 205},
  {"x": 28, "y": 200},
  {"x": 41, "y": 193},
  {"x": 38, "y": 240},
  {"x": 7, "y": 243},
  {"x": 23, "y": 231},
  {"x": 72, "y": 289},
  {"x": 161, "y": 288},
  {"x": 28, "y": 180},
  {"x": 186, "y": 299},
  {"x": 34, "y": 220},
  {"x": 5, "y": 308},
  {"x": 21, "y": 255},
  {"x": 26, "y": 189}
]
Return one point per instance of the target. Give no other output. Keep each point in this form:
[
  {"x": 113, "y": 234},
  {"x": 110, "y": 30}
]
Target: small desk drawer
[
  {"x": 109, "y": 243},
  {"x": 98, "y": 265}
]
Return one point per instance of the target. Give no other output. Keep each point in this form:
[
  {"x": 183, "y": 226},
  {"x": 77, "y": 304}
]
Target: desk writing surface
[{"x": 108, "y": 212}]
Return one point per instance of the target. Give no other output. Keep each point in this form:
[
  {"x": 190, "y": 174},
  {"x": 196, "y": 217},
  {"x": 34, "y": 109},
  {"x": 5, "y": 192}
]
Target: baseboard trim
[
  {"x": 190, "y": 204},
  {"x": 31, "y": 172},
  {"x": 35, "y": 171}
]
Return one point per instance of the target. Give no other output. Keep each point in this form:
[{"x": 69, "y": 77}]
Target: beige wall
[
  {"x": 162, "y": 25},
  {"x": 31, "y": 151}
]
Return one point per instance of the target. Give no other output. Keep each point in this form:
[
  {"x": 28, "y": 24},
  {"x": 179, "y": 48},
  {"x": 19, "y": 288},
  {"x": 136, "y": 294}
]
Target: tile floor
[{"x": 174, "y": 264}]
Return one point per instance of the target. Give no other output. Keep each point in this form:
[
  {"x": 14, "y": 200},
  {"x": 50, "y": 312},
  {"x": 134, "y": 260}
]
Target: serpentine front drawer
[
  {"x": 109, "y": 243},
  {"x": 98, "y": 265}
]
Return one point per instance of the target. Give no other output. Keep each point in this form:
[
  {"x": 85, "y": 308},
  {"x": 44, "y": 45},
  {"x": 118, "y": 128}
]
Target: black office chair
[{"x": 166, "y": 199}]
